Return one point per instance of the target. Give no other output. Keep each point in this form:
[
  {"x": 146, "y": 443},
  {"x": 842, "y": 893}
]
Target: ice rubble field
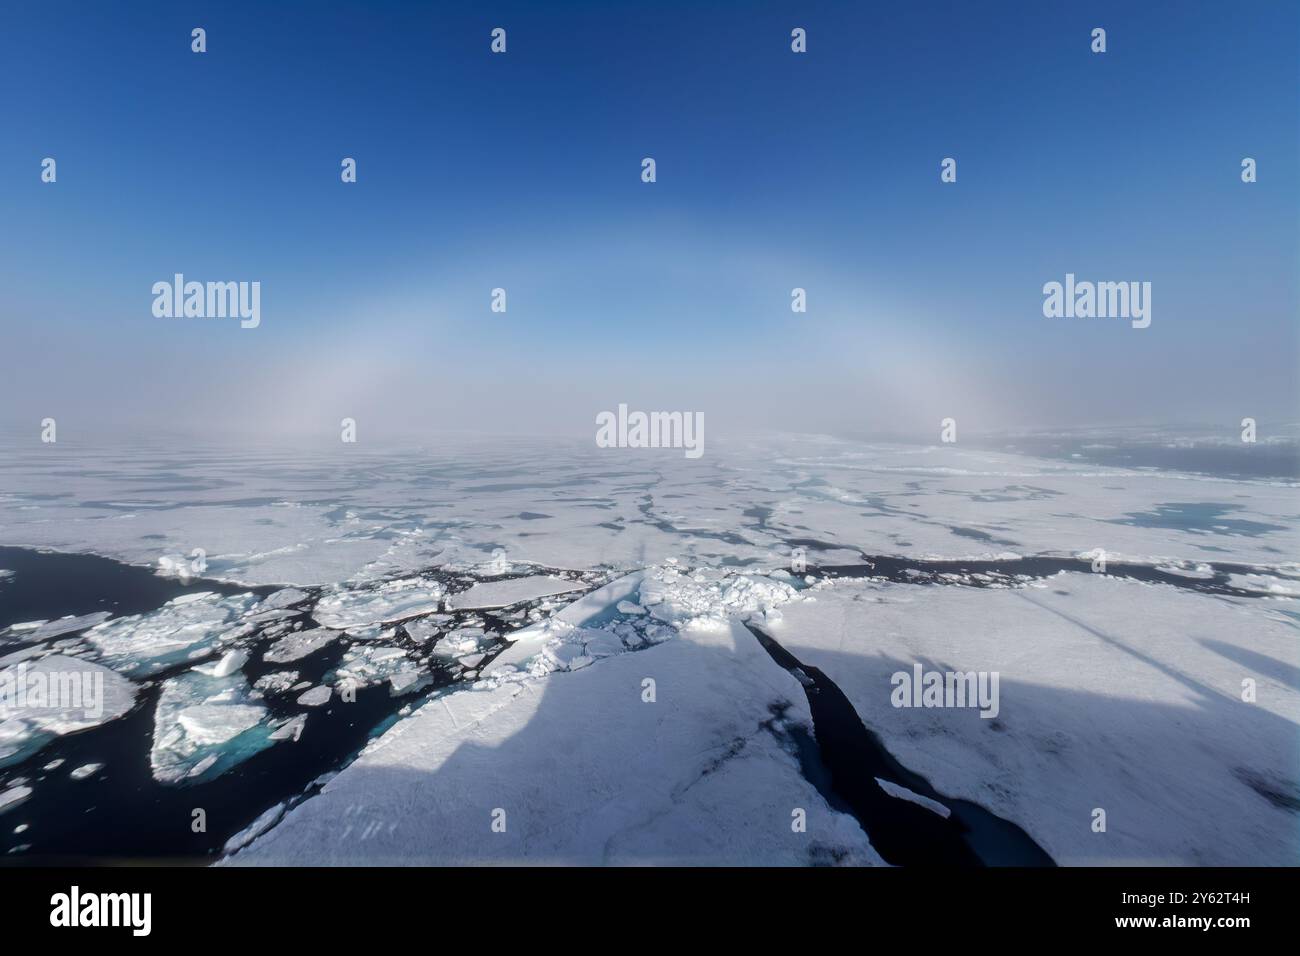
[{"x": 1115, "y": 694}]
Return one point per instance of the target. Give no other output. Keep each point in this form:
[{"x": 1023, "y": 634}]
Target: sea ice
[{"x": 369, "y": 663}]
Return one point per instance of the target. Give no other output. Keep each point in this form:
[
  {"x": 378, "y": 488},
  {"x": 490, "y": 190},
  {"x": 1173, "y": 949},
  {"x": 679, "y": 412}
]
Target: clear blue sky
[{"x": 775, "y": 170}]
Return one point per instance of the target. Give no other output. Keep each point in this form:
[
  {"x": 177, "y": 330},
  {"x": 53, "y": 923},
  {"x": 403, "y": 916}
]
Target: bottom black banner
[{"x": 333, "y": 906}]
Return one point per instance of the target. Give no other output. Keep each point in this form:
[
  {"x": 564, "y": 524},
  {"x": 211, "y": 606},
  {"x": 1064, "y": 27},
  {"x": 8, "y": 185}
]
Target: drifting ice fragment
[
  {"x": 230, "y": 664},
  {"x": 370, "y": 664},
  {"x": 276, "y": 683},
  {"x": 13, "y": 796},
  {"x": 290, "y": 729},
  {"x": 316, "y": 696},
  {"x": 298, "y": 645},
  {"x": 281, "y": 599},
  {"x": 463, "y": 640}
]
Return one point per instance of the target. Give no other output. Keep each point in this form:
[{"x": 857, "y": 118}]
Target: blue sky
[{"x": 775, "y": 170}]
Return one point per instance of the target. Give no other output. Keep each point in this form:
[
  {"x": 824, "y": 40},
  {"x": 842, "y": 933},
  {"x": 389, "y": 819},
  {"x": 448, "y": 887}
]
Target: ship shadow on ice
[{"x": 1217, "y": 777}]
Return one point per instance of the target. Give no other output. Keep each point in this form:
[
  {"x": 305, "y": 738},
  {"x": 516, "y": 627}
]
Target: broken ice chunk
[
  {"x": 13, "y": 796},
  {"x": 229, "y": 664},
  {"x": 281, "y": 599},
  {"x": 66, "y": 625},
  {"x": 295, "y": 646},
  {"x": 204, "y": 725},
  {"x": 360, "y": 610},
  {"x": 290, "y": 729},
  {"x": 142, "y": 644},
  {"x": 365, "y": 664},
  {"x": 316, "y": 696},
  {"x": 276, "y": 683},
  {"x": 461, "y": 641},
  {"x": 426, "y": 627},
  {"x": 491, "y": 594}
]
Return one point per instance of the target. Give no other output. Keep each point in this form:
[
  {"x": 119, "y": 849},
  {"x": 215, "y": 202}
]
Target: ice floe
[{"x": 366, "y": 664}]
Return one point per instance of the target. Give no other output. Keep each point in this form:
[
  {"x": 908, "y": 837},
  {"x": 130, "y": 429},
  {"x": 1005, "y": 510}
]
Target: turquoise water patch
[{"x": 1204, "y": 517}]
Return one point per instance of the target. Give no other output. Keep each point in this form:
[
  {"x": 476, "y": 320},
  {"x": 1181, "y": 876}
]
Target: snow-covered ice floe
[{"x": 543, "y": 747}]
